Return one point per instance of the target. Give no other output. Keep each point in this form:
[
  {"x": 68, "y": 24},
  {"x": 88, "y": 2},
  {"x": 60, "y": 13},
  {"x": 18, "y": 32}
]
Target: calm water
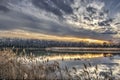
[{"x": 71, "y": 50}]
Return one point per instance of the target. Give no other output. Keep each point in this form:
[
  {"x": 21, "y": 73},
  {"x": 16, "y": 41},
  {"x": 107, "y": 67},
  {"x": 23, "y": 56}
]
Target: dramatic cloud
[
  {"x": 80, "y": 18},
  {"x": 3, "y": 8}
]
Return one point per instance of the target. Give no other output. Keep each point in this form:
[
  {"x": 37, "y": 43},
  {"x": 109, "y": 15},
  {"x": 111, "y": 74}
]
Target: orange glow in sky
[{"x": 31, "y": 35}]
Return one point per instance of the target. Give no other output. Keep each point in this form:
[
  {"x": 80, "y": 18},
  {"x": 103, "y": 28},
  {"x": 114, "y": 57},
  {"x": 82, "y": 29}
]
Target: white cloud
[
  {"x": 91, "y": 16},
  {"x": 97, "y": 4},
  {"x": 26, "y": 7},
  {"x": 26, "y": 16}
]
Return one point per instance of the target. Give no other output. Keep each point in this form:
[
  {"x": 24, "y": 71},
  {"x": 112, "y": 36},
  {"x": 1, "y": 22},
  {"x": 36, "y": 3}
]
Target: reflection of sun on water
[{"x": 76, "y": 56}]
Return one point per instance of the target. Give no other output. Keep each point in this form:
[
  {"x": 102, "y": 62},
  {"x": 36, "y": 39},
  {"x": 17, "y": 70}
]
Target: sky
[{"x": 94, "y": 19}]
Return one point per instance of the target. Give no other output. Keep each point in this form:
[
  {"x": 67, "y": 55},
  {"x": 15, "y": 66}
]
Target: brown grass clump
[{"x": 28, "y": 67}]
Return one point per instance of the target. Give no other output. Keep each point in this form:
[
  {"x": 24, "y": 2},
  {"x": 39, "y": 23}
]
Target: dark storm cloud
[
  {"x": 106, "y": 22},
  {"x": 63, "y": 5},
  {"x": 109, "y": 32},
  {"x": 26, "y": 15},
  {"x": 44, "y": 5},
  {"x": 91, "y": 10},
  {"x": 16, "y": 20},
  {"x": 55, "y": 7},
  {"x": 3, "y": 9}
]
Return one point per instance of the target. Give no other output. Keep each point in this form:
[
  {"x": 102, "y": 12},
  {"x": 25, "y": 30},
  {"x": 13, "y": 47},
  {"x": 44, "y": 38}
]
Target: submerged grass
[{"x": 30, "y": 67}]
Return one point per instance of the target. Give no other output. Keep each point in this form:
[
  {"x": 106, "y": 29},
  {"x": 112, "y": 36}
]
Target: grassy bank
[{"x": 23, "y": 67}]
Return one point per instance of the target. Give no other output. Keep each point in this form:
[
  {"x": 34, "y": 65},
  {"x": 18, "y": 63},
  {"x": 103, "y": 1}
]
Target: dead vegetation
[{"x": 29, "y": 67}]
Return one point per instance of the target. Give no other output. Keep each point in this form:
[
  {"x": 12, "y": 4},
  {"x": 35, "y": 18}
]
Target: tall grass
[{"x": 23, "y": 67}]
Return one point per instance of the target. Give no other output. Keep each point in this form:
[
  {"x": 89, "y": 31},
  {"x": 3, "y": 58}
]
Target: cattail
[
  {"x": 62, "y": 59},
  {"x": 111, "y": 73},
  {"x": 74, "y": 69},
  {"x": 85, "y": 66},
  {"x": 96, "y": 67},
  {"x": 47, "y": 60},
  {"x": 66, "y": 69},
  {"x": 90, "y": 64}
]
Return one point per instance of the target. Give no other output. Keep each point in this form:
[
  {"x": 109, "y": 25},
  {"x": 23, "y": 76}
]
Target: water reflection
[{"x": 69, "y": 56}]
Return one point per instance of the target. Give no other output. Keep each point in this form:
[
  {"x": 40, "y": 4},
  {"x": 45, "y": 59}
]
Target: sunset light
[{"x": 29, "y": 35}]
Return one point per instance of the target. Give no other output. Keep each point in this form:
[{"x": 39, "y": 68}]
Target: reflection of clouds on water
[
  {"x": 104, "y": 65},
  {"x": 116, "y": 59}
]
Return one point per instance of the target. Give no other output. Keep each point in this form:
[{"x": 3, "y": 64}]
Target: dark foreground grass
[{"x": 30, "y": 67}]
